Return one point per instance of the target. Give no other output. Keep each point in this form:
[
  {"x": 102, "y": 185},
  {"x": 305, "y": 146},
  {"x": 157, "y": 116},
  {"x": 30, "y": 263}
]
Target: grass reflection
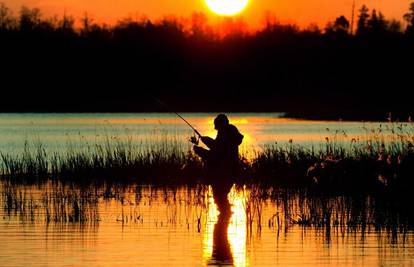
[{"x": 148, "y": 223}]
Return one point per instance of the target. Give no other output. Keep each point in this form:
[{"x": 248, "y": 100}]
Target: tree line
[
  {"x": 31, "y": 20},
  {"x": 61, "y": 64}
]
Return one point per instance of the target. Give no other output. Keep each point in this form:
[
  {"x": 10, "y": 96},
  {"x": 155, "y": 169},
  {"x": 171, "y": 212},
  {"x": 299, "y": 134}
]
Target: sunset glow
[{"x": 299, "y": 12}]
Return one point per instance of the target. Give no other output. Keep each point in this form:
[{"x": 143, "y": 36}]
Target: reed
[
  {"x": 380, "y": 159},
  {"x": 383, "y": 158},
  {"x": 112, "y": 160}
]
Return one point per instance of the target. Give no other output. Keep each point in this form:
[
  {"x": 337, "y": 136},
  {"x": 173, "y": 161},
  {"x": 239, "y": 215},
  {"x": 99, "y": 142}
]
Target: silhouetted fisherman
[
  {"x": 223, "y": 153},
  {"x": 222, "y": 159}
]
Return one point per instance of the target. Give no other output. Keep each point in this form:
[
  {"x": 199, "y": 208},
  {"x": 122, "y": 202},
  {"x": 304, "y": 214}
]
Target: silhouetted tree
[
  {"x": 86, "y": 25},
  {"x": 363, "y": 17},
  {"x": 377, "y": 25},
  {"x": 340, "y": 26},
  {"x": 409, "y": 18},
  {"x": 269, "y": 19},
  {"x": 394, "y": 27},
  {"x": 6, "y": 19},
  {"x": 86, "y": 22},
  {"x": 29, "y": 19},
  {"x": 373, "y": 21},
  {"x": 279, "y": 32},
  {"x": 312, "y": 28},
  {"x": 66, "y": 25}
]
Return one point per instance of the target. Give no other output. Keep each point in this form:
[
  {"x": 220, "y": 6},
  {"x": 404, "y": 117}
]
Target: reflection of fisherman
[
  {"x": 223, "y": 153},
  {"x": 222, "y": 254}
]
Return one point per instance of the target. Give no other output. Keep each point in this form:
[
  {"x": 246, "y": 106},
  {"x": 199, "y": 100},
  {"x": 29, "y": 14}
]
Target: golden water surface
[{"x": 149, "y": 226}]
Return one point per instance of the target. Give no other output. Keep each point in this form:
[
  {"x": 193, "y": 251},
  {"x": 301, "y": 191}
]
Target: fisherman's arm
[{"x": 208, "y": 141}]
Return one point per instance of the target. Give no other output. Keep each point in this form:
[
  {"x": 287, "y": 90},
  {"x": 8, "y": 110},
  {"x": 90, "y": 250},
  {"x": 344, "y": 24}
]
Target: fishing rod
[{"x": 176, "y": 113}]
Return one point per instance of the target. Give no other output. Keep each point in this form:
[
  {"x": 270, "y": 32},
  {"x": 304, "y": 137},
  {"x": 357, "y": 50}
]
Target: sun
[{"x": 226, "y": 7}]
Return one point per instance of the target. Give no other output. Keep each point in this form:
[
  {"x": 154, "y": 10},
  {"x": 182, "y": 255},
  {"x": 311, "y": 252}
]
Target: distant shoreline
[
  {"x": 336, "y": 73},
  {"x": 332, "y": 116}
]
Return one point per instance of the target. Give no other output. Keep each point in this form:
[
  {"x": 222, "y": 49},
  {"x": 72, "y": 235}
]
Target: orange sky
[{"x": 302, "y": 12}]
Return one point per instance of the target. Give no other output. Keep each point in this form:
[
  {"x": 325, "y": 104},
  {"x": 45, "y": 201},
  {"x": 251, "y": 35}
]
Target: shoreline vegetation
[
  {"x": 383, "y": 159},
  {"x": 342, "y": 71}
]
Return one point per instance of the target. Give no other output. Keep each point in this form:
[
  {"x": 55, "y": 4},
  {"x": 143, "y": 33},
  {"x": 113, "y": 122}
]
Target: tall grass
[
  {"x": 384, "y": 156},
  {"x": 381, "y": 158},
  {"x": 111, "y": 160}
]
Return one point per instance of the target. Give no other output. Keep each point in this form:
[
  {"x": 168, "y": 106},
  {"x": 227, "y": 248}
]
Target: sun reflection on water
[
  {"x": 237, "y": 227},
  {"x": 236, "y": 230}
]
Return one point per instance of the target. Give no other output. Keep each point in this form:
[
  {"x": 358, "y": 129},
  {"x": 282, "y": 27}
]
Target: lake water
[
  {"x": 63, "y": 225},
  {"x": 150, "y": 226}
]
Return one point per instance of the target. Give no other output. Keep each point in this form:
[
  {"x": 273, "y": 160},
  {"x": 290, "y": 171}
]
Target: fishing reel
[{"x": 195, "y": 140}]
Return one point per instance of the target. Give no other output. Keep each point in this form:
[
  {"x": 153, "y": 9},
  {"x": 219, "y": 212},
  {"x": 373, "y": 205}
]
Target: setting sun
[{"x": 226, "y": 7}]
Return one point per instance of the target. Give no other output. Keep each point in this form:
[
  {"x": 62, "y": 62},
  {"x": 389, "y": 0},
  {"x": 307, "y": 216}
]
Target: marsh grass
[
  {"x": 112, "y": 160},
  {"x": 381, "y": 158}
]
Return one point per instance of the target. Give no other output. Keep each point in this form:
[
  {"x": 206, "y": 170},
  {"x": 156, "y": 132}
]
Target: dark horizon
[{"x": 310, "y": 73}]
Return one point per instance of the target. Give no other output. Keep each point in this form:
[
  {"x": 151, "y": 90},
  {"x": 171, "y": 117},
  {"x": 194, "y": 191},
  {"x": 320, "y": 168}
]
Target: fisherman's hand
[
  {"x": 205, "y": 139},
  {"x": 194, "y": 140}
]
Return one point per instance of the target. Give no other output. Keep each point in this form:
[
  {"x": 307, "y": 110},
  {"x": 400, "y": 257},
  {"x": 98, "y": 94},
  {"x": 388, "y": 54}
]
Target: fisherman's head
[{"x": 220, "y": 122}]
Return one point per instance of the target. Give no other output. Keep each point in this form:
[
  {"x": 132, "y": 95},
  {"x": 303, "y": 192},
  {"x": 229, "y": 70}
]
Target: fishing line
[{"x": 176, "y": 113}]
